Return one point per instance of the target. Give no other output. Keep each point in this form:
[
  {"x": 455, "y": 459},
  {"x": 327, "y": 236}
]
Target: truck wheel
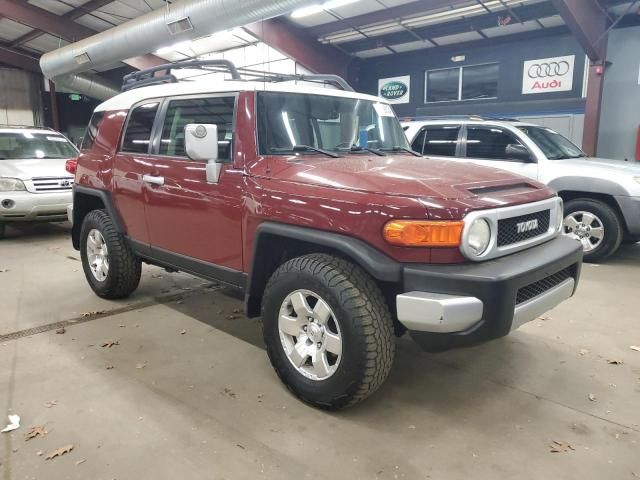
[
  {"x": 111, "y": 268},
  {"x": 595, "y": 224},
  {"x": 328, "y": 330}
]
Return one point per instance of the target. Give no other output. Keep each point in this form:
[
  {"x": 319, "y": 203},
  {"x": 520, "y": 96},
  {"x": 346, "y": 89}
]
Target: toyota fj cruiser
[{"x": 309, "y": 200}]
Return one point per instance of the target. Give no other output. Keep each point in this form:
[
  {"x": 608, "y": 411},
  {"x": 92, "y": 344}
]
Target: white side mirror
[{"x": 201, "y": 143}]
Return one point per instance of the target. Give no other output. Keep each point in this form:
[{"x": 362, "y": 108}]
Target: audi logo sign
[{"x": 548, "y": 75}]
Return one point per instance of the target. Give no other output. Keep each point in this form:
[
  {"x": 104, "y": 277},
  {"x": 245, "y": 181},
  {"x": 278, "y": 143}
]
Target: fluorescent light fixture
[
  {"x": 313, "y": 9},
  {"x": 176, "y": 47}
]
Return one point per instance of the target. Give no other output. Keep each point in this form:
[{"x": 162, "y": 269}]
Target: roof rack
[
  {"x": 149, "y": 76},
  {"x": 465, "y": 117}
]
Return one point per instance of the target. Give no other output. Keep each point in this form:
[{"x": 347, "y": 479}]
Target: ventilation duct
[
  {"x": 179, "y": 21},
  {"x": 90, "y": 85}
]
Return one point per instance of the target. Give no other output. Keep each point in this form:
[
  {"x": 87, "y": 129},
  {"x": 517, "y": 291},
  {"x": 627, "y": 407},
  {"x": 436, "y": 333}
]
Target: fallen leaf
[
  {"x": 4, "y": 270},
  {"x": 560, "y": 447},
  {"x": 412, "y": 427},
  {"x": 183, "y": 332},
  {"x": 231, "y": 317},
  {"x": 52, "y": 403},
  {"x": 110, "y": 343},
  {"x": 39, "y": 453},
  {"x": 545, "y": 319},
  {"x": 240, "y": 446},
  {"x": 180, "y": 302},
  {"x": 156, "y": 275},
  {"x": 91, "y": 314},
  {"x": 37, "y": 431},
  {"x": 61, "y": 331},
  {"x": 236, "y": 310},
  {"x": 109, "y": 367},
  {"x": 592, "y": 397},
  {"x": 229, "y": 392},
  {"x": 80, "y": 462},
  {"x": 583, "y": 351},
  {"x": 615, "y": 362},
  {"x": 633, "y": 347},
  {"x": 59, "y": 452},
  {"x": 141, "y": 365},
  {"x": 14, "y": 424}
]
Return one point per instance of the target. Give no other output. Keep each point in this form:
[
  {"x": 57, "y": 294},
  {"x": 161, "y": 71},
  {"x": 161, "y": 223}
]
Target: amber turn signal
[{"x": 423, "y": 233}]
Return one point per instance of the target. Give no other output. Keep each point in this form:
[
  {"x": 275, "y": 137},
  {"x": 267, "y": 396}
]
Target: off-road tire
[
  {"x": 124, "y": 267},
  {"x": 613, "y": 230},
  {"x": 365, "y": 323}
]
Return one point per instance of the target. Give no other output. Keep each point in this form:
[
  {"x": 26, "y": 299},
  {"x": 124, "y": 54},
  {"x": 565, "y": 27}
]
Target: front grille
[
  {"x": 518, "y": 229},
  {"x": 52, "y": 184},
  {"x": 537, "y": 288}
]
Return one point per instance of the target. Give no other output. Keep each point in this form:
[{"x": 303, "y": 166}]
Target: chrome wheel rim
[
  {"x": 585, "y": 227},
  {"x": 97, "y": 255},
  {"x": 310, "y": 335}
]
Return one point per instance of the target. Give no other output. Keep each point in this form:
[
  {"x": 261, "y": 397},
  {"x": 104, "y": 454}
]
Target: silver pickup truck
[{"x": 602, "y": 197}]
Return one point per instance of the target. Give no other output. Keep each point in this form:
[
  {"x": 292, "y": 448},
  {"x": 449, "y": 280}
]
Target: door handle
[{"x": 153, "y": 180}]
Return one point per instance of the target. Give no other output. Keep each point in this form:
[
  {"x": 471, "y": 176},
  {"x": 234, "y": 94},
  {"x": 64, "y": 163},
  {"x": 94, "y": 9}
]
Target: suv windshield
[
  {"x": 27, "y": 145},
  {"x": 326, "y": 122},
  {"x": 552, "y": 144}
]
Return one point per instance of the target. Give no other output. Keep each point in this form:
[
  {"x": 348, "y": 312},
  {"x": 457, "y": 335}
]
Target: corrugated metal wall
[{"x": 20, "y": 99}]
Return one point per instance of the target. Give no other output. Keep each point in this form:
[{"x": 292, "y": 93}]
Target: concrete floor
[{"x": 189, "y": 393}]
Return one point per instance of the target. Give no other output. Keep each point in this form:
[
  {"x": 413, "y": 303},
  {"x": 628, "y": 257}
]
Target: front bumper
[
  {"x": 448, "y": 306},
  {"x": 26, "y": 207}
]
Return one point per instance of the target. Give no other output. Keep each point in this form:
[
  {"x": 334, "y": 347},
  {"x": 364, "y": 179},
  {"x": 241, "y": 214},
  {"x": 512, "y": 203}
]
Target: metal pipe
[
  {"x": 90, "y": 85},
  {"x": 179, "y": 21}
]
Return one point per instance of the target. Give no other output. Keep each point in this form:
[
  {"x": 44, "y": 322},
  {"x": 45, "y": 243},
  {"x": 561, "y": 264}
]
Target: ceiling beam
[
  {"x": 85, "y": 9},
  {"x": 61, "y": 26},
  {"x": 588, "y": 23},
  {"x": 412, "y": 9},
  {"x": 479, "y": 22},
  {"x": 297, "y": 44},
  {"x": 19, "y": 59}
]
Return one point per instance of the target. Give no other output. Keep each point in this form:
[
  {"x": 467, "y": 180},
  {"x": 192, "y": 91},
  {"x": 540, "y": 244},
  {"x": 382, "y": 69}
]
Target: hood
[
  {"x": 606, "y": 164},
  {"x": 402, "y": 175},
  {"x": 33, "y": 168}
]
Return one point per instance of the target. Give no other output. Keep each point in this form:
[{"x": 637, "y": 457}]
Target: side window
[
  {"x": 215, "y": 110},
  {"x": 441, "y": 140},
  {"x": 418, "y": 142},
  {"x": 138, "y": 133},
  {"x": 489, "y": 143},
  {"x": 92, "y": 131}
]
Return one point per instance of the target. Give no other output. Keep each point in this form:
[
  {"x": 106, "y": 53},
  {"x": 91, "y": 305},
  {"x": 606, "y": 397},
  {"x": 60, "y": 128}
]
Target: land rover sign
[{"x": 395, "y": 89}]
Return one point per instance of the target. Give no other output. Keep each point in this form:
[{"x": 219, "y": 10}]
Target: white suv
[
  {"x": 602, "y": 197},
  {"x": 34, "y": 185}
]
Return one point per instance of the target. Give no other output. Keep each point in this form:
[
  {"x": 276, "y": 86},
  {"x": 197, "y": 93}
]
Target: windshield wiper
[
  {"x": 309, "y": 148},
  {"x": 398, "y": 148},
  {"x": 357, "y": 148}
]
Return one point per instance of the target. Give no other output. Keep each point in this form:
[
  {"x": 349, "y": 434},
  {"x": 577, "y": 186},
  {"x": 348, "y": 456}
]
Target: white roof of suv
[{"x": 125, "y": 100}]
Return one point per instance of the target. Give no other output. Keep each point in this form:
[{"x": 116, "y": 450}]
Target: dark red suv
[{"x": 309, "y": 200}]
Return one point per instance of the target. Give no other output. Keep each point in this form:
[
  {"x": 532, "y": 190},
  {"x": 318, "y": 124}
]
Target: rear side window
[
  {"x": 138, "y": 134},
  {"x": 92, "y": 131},
  {"x": 438, "y": 141},
  {"x": 214, "y": 110},
  {"x": 489, "y": 143}
]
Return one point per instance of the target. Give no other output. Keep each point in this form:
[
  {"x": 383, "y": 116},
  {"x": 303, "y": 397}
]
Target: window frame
[
  {"x": 460, "y": 79},
  {"x": 156, "y": 134},
  {"x": 459, "y": 138},
  {"x": 125, "y": 126},
  {"x": 463, "y": 144}
]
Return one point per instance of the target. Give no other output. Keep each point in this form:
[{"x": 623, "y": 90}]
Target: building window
[{"x": 472, "y": 82}]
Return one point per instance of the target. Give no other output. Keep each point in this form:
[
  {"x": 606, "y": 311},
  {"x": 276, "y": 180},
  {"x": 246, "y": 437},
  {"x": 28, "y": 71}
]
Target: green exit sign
[{"x": 75, "y": 97}]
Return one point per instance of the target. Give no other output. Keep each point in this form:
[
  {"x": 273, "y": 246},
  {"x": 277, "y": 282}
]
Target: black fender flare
[
  {"x": 375, "y": 263},
  {"x": 79, "y": 213}
]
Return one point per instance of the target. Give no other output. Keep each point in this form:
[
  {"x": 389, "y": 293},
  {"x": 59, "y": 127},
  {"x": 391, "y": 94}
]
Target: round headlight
[{"x": 479, "y": 236}]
